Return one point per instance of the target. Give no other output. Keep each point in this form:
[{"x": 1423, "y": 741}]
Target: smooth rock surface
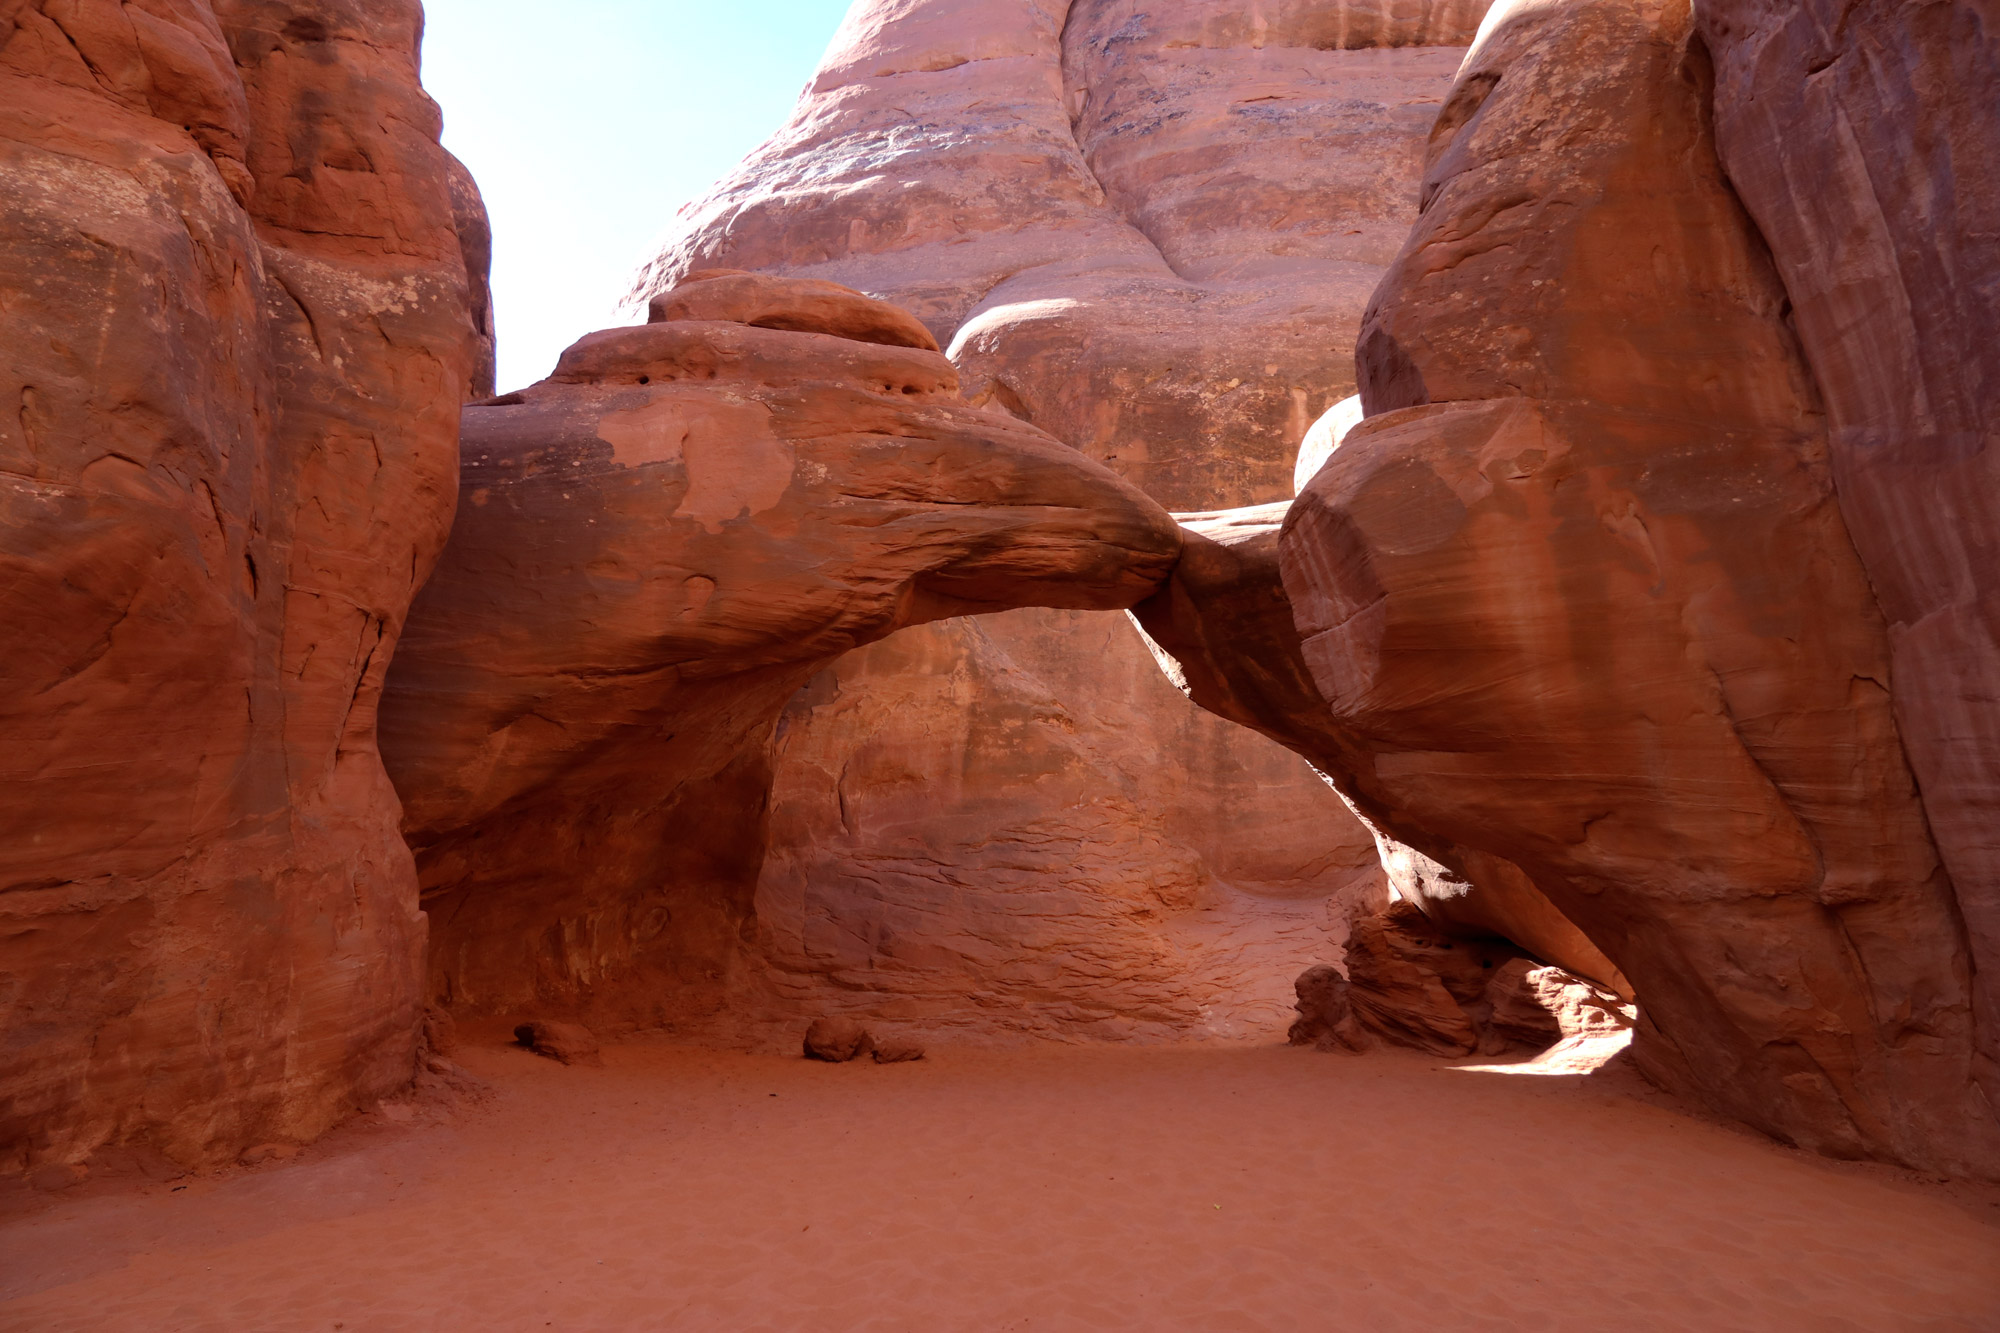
[
  {"x": 236, "y": 338},
  {"x": 655, "y": 548},
  {"x": 959, "y": 840},
  {"x": 1581, "y": 587},
  {"x": 1150, "y": 229}
]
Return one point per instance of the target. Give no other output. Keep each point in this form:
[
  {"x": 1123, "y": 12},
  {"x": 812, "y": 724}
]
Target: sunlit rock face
[
  {"x": 236, "y": 338},
  {"x": 1223, "y": 626},
  {"x": 1579, "y": 593},
  {"x": 1151, "y": 230},
  {"x": 654, "y": 549}
]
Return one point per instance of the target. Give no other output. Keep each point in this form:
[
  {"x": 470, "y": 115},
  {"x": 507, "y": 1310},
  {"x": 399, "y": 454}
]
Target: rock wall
[
  {"x": 1070, "y": 905},
  {"x": 235, "y": 343},
  {"x": 1863, "y": 139},
  {"x": 1578, "y": 594},
  {"x": 1150, "y": 230}
]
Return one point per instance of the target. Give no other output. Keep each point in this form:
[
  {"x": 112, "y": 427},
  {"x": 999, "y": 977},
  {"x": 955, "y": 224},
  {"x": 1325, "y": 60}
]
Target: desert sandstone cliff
[
  {"x": 237, "y": 335},
  {"x": 1863, "y": 138}
]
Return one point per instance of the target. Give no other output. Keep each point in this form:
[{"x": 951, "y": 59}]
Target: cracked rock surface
[{"x": 238, "y": 327}]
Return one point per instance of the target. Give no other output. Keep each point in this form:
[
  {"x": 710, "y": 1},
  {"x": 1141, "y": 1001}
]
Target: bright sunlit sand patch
[{"x": 1574, "y": 1055}]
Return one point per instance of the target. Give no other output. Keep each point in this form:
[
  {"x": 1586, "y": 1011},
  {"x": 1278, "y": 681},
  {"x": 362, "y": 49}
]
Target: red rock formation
[
  {"x": 1580, "y": 590},
  {"x": 1150, "y": 230},
  {"x": 1536, "y": 1006},
  {"x": 1863, "y": 139},
  {"x": 1414, "y": 985},
  {"x": 1133, "y": 223},
  {"x": 1223, "y": 628},
  {"x": 565, "y": 1043},
  {"x": 236, "y": 339},
  {"x": 800, "y": 304},
  {"x": 654, "y": 549},
  {"x": 1326, "y": 1020},
  {"x": 837, "y": 1040},
  {"x": 475, "y": 247}
]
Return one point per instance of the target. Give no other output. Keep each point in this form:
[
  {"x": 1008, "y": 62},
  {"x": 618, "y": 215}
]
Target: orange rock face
[
  {"x": 1863, "y": 141},
  {"x": 1132, "y": 223},
  {"x": 1223, "y": 627},
  {"x": 235, "y": 343},
  {"x": 1150, "y": 230},
  {"x": 1578, "y": 594},
  {"x": 654, "y": 549}
]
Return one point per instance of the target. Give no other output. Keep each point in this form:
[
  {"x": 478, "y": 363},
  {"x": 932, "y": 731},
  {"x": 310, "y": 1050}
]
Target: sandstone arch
[{"x": 655, "y": 548}]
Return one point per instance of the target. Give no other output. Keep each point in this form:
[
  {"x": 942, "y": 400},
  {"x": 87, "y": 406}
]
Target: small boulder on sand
[
  {"x": 571, "y": 1043},
  {"x": 897, "y": 1050},
  {"x": 1326, "y": 1014},
  {"x": 837, "y": 1040}
]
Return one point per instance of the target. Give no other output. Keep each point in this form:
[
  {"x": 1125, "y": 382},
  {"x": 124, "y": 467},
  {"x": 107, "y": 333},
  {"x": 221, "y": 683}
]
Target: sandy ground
[{"x": 1054, "y": 1188}]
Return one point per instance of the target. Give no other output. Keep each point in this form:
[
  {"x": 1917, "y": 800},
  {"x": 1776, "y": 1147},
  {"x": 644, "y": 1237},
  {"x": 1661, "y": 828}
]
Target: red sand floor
[{"x": 1054, "y": 1188}]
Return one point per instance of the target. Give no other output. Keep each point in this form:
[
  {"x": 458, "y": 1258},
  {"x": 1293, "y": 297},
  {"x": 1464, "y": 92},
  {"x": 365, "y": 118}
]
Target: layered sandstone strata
[
  {"x": 655, "y": 548},
  {"x": 235, "y": 344},
  {"x": 1150, "y": 230}
]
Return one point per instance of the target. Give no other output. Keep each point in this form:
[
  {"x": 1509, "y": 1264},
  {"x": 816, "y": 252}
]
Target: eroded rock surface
[
  {"x": 1862, "y": 137},
  {"x": 1151, "y": 230},
  {"x": 1224, "y": 630},
  {"x": 1539, "y": 1005},
  {"x": 958, "y": 840},
  {"x": 837, "y": 1040},
  {"x": 655, "y": 547},
  {"x": 1580, "y": 587},
  {"x": 236, "y": 338},
  {"x": 1409, "y": 983},
  {"x": 1325, "y": 1007},
  {"x": 1412, "y": 984}
]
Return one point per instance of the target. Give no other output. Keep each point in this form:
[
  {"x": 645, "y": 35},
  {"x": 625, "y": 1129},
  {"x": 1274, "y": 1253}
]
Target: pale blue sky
[{"x": 588, "y": 123}]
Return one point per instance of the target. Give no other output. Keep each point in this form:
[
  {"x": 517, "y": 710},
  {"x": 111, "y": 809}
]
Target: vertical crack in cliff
[
  {"x": 1074, "y": 117},
  {"x": 360, "y": 677},
  {"x": 312, "y": 325}
]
